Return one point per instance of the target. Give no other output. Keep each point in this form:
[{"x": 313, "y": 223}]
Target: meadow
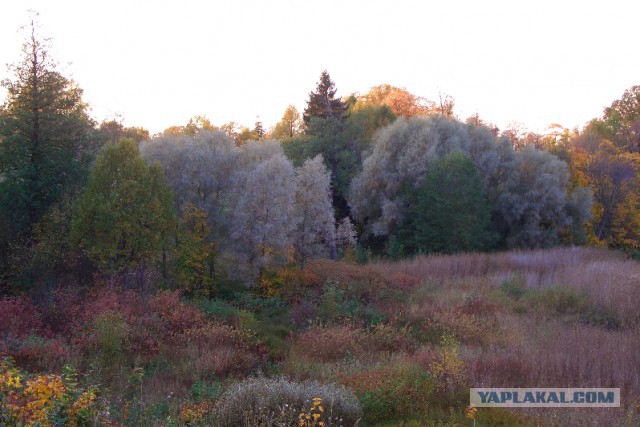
[{"x": 379, "y": 344}]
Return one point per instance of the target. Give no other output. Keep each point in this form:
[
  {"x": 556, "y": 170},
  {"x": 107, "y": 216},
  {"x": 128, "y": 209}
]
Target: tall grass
[
  {"x": 610, "y": 278},
  {"x": 564, "y": 317}
]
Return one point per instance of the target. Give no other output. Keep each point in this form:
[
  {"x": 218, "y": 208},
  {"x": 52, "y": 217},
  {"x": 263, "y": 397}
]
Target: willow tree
[
  {"x": 315, "y": 234},
  {"x": 532, "y": 202},
  {"x": 261, "y": 217}
]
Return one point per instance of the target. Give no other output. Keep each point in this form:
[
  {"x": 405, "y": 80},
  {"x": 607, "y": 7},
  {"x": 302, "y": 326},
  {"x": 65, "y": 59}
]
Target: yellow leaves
[
  {"x": 471, "y": 412},
  {"x": 195, "y": 413},
  {"x": 36, "y": 401},
  {"x": 313, "y": 418}
]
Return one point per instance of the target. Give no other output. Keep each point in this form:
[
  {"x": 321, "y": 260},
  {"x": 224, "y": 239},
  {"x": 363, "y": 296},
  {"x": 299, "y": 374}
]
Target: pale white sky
[{"x": 157, "y": 63}]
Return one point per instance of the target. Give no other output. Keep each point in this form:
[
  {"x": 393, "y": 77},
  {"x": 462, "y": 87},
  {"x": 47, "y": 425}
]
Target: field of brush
[{"x": 386, "y": 343}]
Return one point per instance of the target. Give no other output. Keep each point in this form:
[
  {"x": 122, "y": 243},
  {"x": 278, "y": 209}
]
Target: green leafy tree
[
  {"x": 114, "y": 130},
  {"x": 125, "y": 215},
  {"x": 195, "y": 253},
  {"x": 450, "y": 213},
  {"x": 621, "y": 121}
]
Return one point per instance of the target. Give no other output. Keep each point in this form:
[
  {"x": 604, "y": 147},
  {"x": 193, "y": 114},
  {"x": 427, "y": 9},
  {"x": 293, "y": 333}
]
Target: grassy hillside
[{"x": 387, "y": 343}]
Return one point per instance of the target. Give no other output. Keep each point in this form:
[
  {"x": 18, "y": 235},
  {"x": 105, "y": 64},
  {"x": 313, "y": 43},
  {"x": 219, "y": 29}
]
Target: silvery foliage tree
[
  {"x": 534, "y": 204},
  {"x": 528, "y": 190},
  {"x": 259, "y": 207},
  {"x": 400, "y": 158},
  {"x": 315, "y": 234},
  {"x": 346, "y": 234},
  {"x": 262, "y": 220},
  {"x": 198, "y": 167}
]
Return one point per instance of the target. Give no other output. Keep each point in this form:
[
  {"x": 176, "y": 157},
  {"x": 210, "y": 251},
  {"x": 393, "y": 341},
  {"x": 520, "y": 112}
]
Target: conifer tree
[
  {"x": 44, "y": 147},
  {"x": 44, "y": 131},
  {"x": 323, "y": 103}
]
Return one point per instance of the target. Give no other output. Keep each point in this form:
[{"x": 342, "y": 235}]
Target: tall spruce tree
[
  {"x": 44, "y": 145},
  {"x": 323, "y": 103},
  {"x": 44, "y": 130}
]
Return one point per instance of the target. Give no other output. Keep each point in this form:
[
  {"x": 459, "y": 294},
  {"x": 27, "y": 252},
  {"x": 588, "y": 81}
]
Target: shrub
[
  {"x": 40, "y": 354},
  {"x": 303, "y": 313},
  {"x": 218, "y": 309},
  {"x": 326, "y": 344},
  {"x": 47, "y": 399},
  {"x": 562, "y": 300},
  {"x": 260, "y": 401},
  {"x": 391, "y": 392},
  {"x": 449, "y": 370},
  {"x": 19, "y": 318},
  {"x": 515, "y": 287}
]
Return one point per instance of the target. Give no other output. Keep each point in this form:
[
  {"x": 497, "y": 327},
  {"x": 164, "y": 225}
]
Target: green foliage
[
  {"x": 125, "y": 215},
  {"x": 195, "y": 256},
  {"x": 329, "y": 309},
  {"x": 114, "y": 131},
  {"x": 393, "y": 392},
  {"x": 111, "y": 331},
  {"x": 559, "y": 299},
  {"x": 621, "y": 121},
  {"x": 340, "y": 138},
  {"x": 450, "y": 213},
  {"x": 218, "y": 309},
  {"x": 44, "y": 147},
  {"x": 514, "y": 287},
  {"x": 205, "y": 390},
  {"x": 44, "y": 130},
  {"x": 363, "y": 255}
]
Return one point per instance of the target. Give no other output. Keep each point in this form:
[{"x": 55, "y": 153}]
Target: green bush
[
  {"x": 218, "y": 309},
  {"x": 515, "y": 287},
  {"x": 205, "y": 390},
  {"x": 392, "y": 392},
  {"x": 562, "y": 300}
]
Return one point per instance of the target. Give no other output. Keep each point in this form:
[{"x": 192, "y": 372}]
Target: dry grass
[
  {"x": 527, "y": 341},
  {"x": 611, "y": 280}
]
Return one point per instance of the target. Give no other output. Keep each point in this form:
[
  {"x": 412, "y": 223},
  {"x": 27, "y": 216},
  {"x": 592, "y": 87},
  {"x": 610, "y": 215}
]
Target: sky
[{"x": 156, "y": 64}]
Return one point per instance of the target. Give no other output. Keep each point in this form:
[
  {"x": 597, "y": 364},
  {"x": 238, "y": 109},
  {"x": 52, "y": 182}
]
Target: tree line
[{"x": 387, "y": 172}]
